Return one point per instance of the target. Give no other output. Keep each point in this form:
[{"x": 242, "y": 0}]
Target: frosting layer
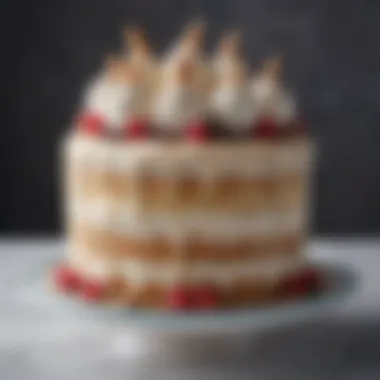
[
  {"x": 252, "y": 158},
  {"x": 139, "y": 271}
]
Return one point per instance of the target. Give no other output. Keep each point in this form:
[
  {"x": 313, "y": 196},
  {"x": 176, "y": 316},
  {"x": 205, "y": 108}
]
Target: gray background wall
[{"x": 50, "y": 48}]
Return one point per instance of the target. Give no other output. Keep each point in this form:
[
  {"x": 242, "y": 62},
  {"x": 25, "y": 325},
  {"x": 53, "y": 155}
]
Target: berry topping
[
  {"x": 179, "y": 298},
  {"x": 198, "y": 132},
  {"x": 136, "y": 129},
  {"x": 266, "y": 127},
  {"x": 292, "y": 286},
  {"x": 311, "y": 279},
  {"x": 92, "y": 291},
  {"x": 306, "y": 281},
  {"x": 205, "y": 297},
  {"x": 66, "y": 279},
  {"x": 92, "y": 124}
]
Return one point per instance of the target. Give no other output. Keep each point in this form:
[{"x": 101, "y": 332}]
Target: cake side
[{"x": 160, "y": 215}]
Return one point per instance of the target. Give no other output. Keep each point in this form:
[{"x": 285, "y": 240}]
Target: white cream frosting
[
  {"x": 246, "y": 159},
  {"x": 114, "y": 101},
  {"x": 226, "y": 65},
  {"x": 106, "y": 99},
  {"x": 272, "y": 98},
  {"x": 223, "y": 65},
  {"x": 146, "y": 66},
  {"x": 232, "y": 104},
  {"x": 141, "y": 272},
  {"x": 177, "y": 106},
  {"x": 122, "y": 218}
]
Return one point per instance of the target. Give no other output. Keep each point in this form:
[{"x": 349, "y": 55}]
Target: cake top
[{"x": 184, "y": 94}]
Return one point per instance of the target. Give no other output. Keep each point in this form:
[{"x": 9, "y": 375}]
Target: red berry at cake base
[
  {"x": 292, "y": 287},
  {"x": 197, "y": 132},
  {"x": 307, "y": 281},
  {"x": 66, "y": 279},
  {"x": 266, "y": 127},
  {"x": 136, "y": 129},
  {"x": 312, "y": 279},
  {"x": 92, "y": 291},
  {"x": 205, "y": 297},
  {"x": 179, "y": 298},
  {"x": 92, "y": 124}
]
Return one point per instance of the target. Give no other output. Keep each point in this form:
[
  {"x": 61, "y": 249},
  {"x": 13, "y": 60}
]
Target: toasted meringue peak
[
  {"x": 188, "y": 48},
  {"x": 116, "y": 69},
  {"x": 231, "y": 103},
  {"x": 178, "y": 103},
  {"x": 230, "y": 44},
  {"x": 273, "y": 68},
  {"x": 139, "y": 55},
  {"x": 117, "y": 93},
  {"x": 189, "y": 44},
  {"x": 136, "y": 41},
  {"x": 229, "y": 64},
  {"x": 184, "y": 72},
  {"x": 269, "y": 93},
  {"x": 195, "y": 32}
]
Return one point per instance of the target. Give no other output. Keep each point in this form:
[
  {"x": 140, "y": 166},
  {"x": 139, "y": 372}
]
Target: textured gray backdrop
[{"x": 50, "y": 48}]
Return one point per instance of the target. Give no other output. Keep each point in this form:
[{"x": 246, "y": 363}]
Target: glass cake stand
[{"x": 147, "y": 332}]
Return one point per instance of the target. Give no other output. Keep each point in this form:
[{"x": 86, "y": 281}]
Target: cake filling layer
[
  {"x": 194, "y": 248},
  {"x": 139, "y": 271},
  {"x": 226, "y": 226}
]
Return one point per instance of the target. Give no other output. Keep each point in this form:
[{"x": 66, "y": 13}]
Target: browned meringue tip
[
  {"x": 273, "y": 67},
  {"x": 195, "y": 30},
  {"x": 117, "y": 68},
  {"x": 235, "y": 76},
  {"x": 230, "y": 42},
  {"x": 135, "y": 39},
  {"x": 184, "y": 72},
  {"x": 113, "y": 61}
]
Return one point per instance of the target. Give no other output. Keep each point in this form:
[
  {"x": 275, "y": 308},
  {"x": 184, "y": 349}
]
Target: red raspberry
[
  {"x": 205, "y": 297},
  {"x": 292, "y": 286},
  {"x": 198, "y": 132},
  {"x": 92, "y": 123},
  {"x": 92, "y": 291},
  {"x": 307, "y": 281},
  {"x": 311, "y": 279},
  {"x": 179, "y": 298},
  {"x": 66, "y": 279},
  {"x": 136, "y": 129},
  {"x": 266, "y": 127}
]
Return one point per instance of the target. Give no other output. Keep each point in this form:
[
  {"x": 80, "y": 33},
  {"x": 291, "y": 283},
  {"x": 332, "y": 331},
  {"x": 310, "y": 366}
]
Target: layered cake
[{"x": 186, "y": 181}]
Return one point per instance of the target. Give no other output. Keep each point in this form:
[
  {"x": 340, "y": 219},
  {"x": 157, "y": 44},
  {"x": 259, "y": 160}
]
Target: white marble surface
[{"x": 40, "y": 343}]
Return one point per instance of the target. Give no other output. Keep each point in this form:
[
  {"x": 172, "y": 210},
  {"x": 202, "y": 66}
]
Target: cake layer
[
  {"x": 110, "y": 245},
  {"x": 140, "y": 271},
  {"x": 187, "y": 193}
]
